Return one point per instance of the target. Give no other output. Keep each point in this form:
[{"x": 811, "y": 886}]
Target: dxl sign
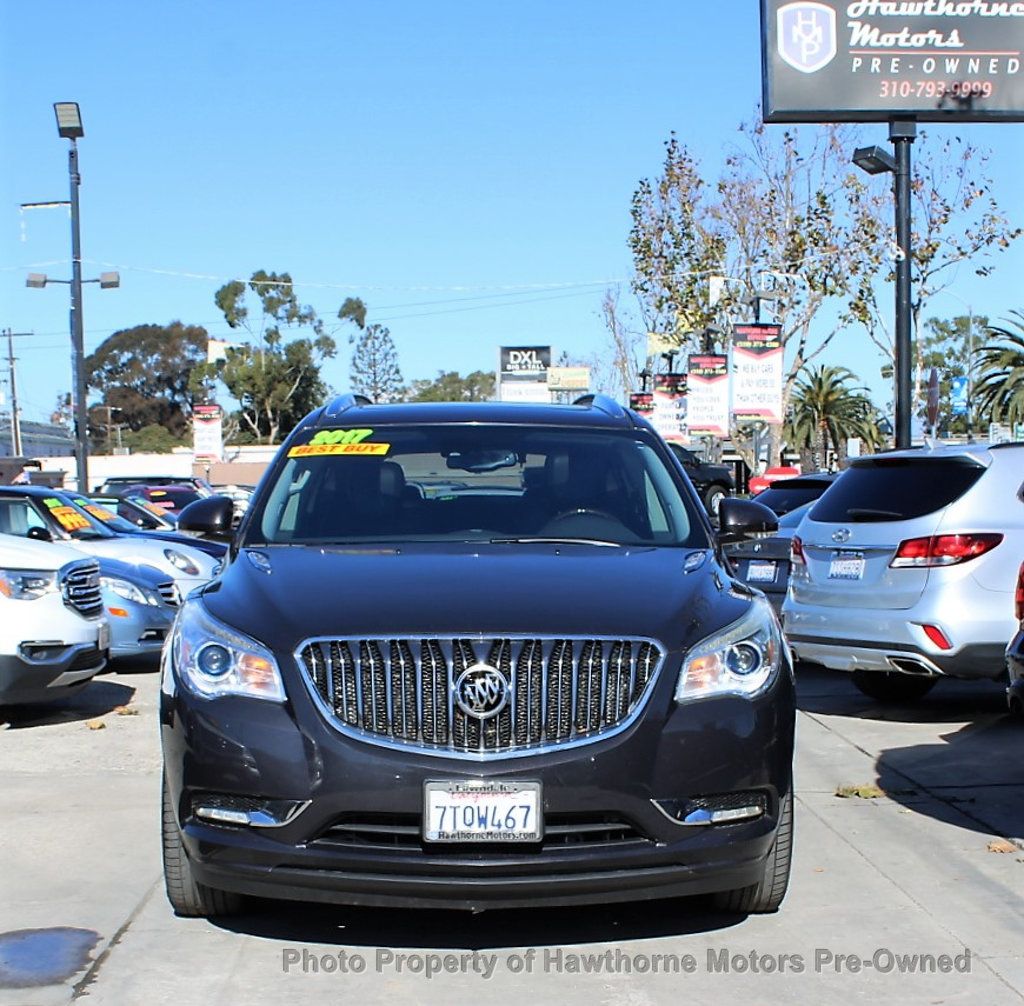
[
  {"x": 876, "y": 60},
  {"x": 525, "y": 361}
]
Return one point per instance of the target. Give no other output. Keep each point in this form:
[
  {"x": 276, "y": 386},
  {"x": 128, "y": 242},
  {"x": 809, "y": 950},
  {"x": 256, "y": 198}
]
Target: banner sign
[
  {"x": 958, "y": 396},
  {"x": 669, "y": 415},
  {"x": 757, "y": 372},
  {"x": 525, "y": 362},
  {"x": 708, "y": 394},
  {"x": 207, "y": 435},
  {"x": 875, "y": 60},
  {"x": 642, "y": 402},
  {"x": 524, "y": 391}
]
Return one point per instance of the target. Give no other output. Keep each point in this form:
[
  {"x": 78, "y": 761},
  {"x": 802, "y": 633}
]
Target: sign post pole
[{"x": 902, "y": 134}]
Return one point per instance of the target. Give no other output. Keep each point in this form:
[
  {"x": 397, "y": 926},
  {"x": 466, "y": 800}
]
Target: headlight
[
  {"x": 213, "y": 659},
  {"x": 182, "y": 562},
  {"x": 27, "y": 584},
  {"x": 741, "y": 659},
  {"x": 129, "y": 591}
]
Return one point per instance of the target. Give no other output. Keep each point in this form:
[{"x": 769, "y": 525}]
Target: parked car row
[{"x": 80, "y": 587}]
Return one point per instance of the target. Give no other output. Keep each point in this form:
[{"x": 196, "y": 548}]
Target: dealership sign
[
  {"x": 875, "y": 60},
  {"x": 207, "y": 435},
  {"x": 670, "y": 406}
]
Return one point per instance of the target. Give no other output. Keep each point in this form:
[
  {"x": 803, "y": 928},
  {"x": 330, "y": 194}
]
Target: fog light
[
  {"x": 729, "y": 808},
  {"x": 246, "y": 811}
]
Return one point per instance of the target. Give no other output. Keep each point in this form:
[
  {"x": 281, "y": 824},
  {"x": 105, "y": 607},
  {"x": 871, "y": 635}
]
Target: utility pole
[{"x": 15, "y": 416}]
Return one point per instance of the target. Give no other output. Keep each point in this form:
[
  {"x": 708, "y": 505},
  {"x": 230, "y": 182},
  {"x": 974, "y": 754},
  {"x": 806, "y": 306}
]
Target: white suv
[
  {"x": 53, "y": 637},
  {"x": 904, "y": 570}
]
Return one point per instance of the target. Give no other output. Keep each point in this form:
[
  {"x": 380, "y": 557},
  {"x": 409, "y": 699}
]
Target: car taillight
[
  {"x": 943, "y": 549},
  {"x": 1018, "y": 597},
  {"x": 796, "y": 551}
]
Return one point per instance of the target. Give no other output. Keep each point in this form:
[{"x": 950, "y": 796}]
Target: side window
[{"x": 19, "y": 517}]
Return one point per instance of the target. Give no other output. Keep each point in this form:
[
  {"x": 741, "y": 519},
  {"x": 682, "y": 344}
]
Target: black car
[
  {"x": 785, "y": 495},
  {"x": 764, "y": 561},
  {"x": 119, "y": 485},
  {"x": 538, "y": 684},
  {"x": 1015, "y": 652},
  {"x": 713, "y": 482}
]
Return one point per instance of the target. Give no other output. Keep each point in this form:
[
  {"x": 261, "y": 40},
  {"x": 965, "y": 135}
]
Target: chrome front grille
[
  {"x": 80, "y": 587},
  {"x": 401, "y": 690},
  {"x": 169, "y": 593}
]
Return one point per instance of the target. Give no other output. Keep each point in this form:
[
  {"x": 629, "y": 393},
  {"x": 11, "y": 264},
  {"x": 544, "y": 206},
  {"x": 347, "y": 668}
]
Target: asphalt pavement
[{"x": 910, "y": 889}]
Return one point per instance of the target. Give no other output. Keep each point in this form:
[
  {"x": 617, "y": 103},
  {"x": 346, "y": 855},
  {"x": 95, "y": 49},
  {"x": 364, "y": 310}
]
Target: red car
[{"x": 759, "y": 482}]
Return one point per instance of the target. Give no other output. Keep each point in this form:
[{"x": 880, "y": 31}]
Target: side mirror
[
  {"x": 210, "y": 517},
  {"x": 739, "y": 519},
  {"x": 39, "y": 534}
]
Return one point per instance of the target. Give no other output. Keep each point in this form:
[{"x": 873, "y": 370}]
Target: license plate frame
[
  {"x": 846, "y": 566},
  {"x": 473, "y": 793},
  {"x": 762, "y": 571}
]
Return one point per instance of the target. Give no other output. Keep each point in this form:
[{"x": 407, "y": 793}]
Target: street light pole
[
  {"x": 69, "y": 126},
  {"x": 902, "y": 135}
]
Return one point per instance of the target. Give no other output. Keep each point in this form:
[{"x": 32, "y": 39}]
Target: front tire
[
  {"x": 187, "y": 896},
  {"x": 885, "y": 687},
  {"x": 768, "y": 893}
]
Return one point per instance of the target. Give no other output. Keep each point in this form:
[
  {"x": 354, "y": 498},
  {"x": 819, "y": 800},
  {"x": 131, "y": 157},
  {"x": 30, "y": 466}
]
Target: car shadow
[
  {"x": 98, "y": 697},
  {"x": 457, "y": 930},
  {"x": 832, "y": 693},
  {"x": 972, "y": 778}
]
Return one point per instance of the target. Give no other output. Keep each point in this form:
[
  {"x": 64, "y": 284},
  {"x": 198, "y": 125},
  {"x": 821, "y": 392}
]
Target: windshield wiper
[{"x": 556, "y": 541}]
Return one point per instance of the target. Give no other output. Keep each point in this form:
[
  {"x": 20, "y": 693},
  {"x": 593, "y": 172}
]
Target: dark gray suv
[{"x": 476, "y": 656}]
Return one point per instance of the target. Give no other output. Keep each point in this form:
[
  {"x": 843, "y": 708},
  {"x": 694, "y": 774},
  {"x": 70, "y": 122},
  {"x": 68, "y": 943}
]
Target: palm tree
[
  {"x": 1000, "y": 389},
  {"x": 826, "y": 410}
]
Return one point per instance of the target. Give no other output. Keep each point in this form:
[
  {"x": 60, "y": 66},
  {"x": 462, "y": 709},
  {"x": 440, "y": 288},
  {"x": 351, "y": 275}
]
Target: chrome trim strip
[{"x": 541, "y": 746}]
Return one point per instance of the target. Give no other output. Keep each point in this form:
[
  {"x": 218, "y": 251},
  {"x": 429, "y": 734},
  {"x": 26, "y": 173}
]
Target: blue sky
[{"x": 416, "y": 155}]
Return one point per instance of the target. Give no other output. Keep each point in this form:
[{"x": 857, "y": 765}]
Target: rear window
[
  {"x": 896, "y": 489},
  {"x": 782, "y": 499}
]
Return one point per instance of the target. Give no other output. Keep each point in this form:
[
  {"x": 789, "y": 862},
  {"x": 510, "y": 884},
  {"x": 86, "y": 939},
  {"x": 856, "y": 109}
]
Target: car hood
[
  {"x": 145, "y": 551},
  {"x": 26, "y": 553},
  {"x": 586, "y": 590}
]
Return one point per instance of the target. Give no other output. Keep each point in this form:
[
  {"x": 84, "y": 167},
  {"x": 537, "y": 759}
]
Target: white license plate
[
  {"x": 482, "y": 811},
  {"x": 761, "y": 572},
  {"x": 846, "y": 567},
  {"x": 103, "y": 642}
]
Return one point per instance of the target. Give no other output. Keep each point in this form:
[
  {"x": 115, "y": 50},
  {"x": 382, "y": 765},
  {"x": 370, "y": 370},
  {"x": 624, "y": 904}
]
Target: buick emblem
[
  {"x": 806, "y": 35},
  {"x": 843, "y": 534},
  {"x": 481, "y": 691}
]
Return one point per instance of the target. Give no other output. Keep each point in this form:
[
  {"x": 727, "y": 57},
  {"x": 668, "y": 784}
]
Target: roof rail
[
  {"x": 343, "y": 403},
  {"x": 605, "y": 403}
]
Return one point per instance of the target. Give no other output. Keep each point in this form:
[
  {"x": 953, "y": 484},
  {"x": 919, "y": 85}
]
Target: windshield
[
  {"x": 475, "y": 483},
  {"x": 102, "y": 513},
  {"x": 73, "y": 518}
]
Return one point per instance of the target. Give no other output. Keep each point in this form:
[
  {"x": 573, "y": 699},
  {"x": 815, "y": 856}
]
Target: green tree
[
  {"x": 144, "y": 374},
  {"x": 450, "y": 386},
  {"x": 1000, "y": 389},
  {"x": 949, "y": 345},
  {"x": 154, "y": 439},
  {"x": 374, "y": 370},
  {"x": 826, "y": 410},
  {"x": 276, "y": 382}
]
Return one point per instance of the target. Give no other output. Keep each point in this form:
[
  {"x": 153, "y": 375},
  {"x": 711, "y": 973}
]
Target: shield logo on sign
[{"x": 807, "y": 35}]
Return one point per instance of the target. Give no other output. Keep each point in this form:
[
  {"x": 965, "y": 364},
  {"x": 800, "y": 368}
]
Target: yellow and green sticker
[{"x": 333, "y": 442}]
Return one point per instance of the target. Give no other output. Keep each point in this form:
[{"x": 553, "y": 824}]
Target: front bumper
[
  {"x": 249, "y": 748},
  {"x": 870, "y": 639},
  {"x": 28, "y": 677},
  {"x": 140, "y": 631}
]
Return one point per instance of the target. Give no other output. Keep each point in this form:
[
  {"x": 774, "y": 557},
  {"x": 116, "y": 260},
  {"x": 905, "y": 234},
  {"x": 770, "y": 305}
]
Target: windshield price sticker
[
  {"x": 319, "y": 450},
  {"x": 482, "y": 812},
  {"x": 69, "y": 518},
  {"x": 102, "y": 513}
]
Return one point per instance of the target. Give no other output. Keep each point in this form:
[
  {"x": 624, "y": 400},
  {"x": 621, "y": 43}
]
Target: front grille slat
[
  {"x": 80, "y": 588},
  {"x": 559, "y": 690}
]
